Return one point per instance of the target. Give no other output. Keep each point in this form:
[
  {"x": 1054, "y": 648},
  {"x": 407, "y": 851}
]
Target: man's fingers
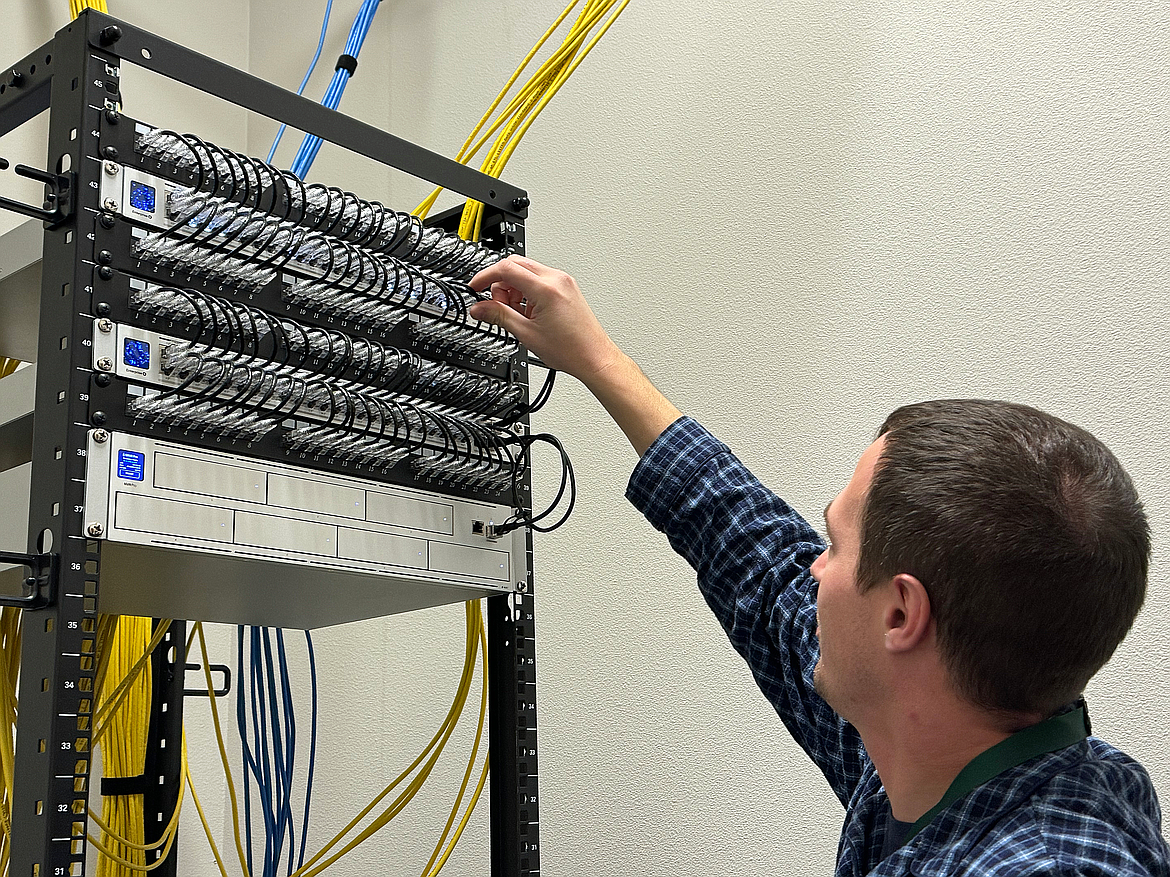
[
  {"x": 537, "y": 268},
  {"x": 515, "y": 271},
  {"x": 485, "y": 311},
  {"x": 506, "y": 294},
  {"x": 519, "y": 275},
  {"x": 499, "y": 314}
]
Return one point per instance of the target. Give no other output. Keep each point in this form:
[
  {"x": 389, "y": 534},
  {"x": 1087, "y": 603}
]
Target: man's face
[{"x": 849, "y": 623}]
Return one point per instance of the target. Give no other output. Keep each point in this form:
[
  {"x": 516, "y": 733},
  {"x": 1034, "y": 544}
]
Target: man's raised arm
[{"x": 546, "y": 312}]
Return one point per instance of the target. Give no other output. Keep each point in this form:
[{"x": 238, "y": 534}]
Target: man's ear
[{"x": 907, "y": 618}]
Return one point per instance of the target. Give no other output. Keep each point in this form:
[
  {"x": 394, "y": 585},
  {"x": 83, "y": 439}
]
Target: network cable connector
[{"x": 287, "y": 374}]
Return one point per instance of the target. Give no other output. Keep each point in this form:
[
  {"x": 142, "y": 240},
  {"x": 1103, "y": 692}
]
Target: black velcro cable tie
[
  {"x": 347, "y": 63},
  {"x": 113, "y": 786}
]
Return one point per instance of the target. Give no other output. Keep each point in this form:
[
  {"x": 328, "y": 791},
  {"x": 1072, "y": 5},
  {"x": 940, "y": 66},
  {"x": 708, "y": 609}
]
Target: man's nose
[{"x": 815, "y": 569}]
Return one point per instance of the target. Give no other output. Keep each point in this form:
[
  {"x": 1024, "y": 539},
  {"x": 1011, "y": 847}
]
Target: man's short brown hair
[{"x": 1028, "y": 536}]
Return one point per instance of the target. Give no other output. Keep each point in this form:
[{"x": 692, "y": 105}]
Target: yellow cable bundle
[
  {"x": 522, "y": 110},
  {"x": 121, "y": 725},
  {"x": 120, "y": 640},
  {"x": 124, "y": 649},
  {"x": 76, "y": 7},
  {"x": 10, "y": 630}
]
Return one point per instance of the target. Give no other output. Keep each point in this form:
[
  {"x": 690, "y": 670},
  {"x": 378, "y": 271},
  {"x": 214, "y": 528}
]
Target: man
[{"x": 984, "y": 561}]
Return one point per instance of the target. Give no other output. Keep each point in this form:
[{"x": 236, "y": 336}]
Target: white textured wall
[{"x": 796, "y": 216}]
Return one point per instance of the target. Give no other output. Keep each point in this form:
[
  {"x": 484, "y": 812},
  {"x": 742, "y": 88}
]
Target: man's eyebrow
[{"x": 828, "y": 532}]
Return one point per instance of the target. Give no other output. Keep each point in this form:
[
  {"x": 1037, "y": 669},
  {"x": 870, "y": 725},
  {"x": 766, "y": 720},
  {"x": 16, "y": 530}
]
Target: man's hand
[
  {"x": 544, "y": 309},
  {"x": 546, "y": 312}
]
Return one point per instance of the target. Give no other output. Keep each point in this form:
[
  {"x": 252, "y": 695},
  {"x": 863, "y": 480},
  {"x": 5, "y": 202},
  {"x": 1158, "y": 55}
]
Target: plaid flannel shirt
[{"x": 1088, "y": 809}]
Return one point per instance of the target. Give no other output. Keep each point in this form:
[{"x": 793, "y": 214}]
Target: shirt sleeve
[{"x": 752, "y": 553}]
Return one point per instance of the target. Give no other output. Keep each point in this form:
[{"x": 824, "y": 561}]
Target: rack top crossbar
[{"x": 181, "y": 64}]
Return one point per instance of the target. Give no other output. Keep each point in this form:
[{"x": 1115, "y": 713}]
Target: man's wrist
[{"x": 635, "y": 404}]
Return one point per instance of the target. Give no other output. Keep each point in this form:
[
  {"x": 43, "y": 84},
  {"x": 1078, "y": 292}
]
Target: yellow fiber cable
[
  {"x": 476, "y": 620},
  {"x": 170, "y": 833},
  {"x": 547, "y": 71},
  {"x": 463, "y": 156},
  {"x": 536, "y": 97},
  {"x": 463, "y": 822},
  {"x": 227, "y": 769},
  {"x": 123, "y": 680},
  {"x": 199, "y": 810},
  {"x": 560, "y": 80},
  {"x": 118, "y": 833},
  {"x": 76, "y": 7},
  {"x": 555, "y": 85},
  {"x": 115, "y": 699},
  {"x": 475, "y": 645},
  {"x": 124, "y": 699},
  {"x": 436, "y": 744},
  {"x": 526, "y": 105},
  {"x": 10, "y": 636},
  {"x": 509, "y": 127},
  {"x": 106, "y": 625},
  {"x": 534, "y": 83}
]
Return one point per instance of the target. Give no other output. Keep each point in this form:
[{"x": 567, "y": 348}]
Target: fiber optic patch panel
[
  {"x": 256, "y": 401},
  {"x": 301, "y": 336}
]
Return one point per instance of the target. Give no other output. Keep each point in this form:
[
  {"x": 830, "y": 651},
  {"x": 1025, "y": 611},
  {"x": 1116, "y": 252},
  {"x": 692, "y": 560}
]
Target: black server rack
[{"x": 229, "y": 361}]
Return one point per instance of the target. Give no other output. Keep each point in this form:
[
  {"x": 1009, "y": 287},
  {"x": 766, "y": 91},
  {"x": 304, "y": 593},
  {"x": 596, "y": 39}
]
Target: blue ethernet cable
[
  {"x": 272, "y": 763},
  {"x": 305, "y": 81},
  {"x": 346, "y": 65}
]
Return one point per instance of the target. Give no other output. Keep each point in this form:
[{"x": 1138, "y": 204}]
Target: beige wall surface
[{"x": 796, "y": 217}]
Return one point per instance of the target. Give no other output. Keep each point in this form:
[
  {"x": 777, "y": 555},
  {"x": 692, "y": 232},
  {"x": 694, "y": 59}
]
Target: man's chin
[{"x": 819, "y": 678}]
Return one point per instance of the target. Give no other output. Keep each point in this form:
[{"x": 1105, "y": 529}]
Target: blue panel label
[
  {"x": 131, "y": 465},
  {"x": 142, "y": 196},
  {"x": 136, "y": 354}
]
